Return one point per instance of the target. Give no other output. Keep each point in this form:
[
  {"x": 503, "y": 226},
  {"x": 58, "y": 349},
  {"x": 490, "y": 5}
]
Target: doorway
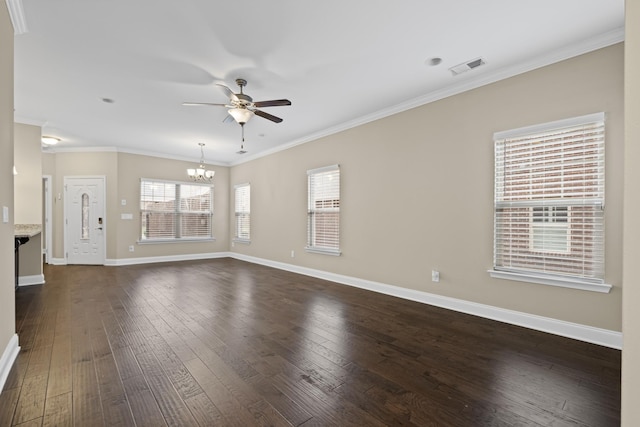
[{"x": 85, "y": 223}]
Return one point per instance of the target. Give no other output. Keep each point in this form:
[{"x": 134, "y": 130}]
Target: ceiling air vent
[{"x": 466, "y": 66}]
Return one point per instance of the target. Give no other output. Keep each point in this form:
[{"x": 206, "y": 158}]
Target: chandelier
[{"x": 200, "y": 173}]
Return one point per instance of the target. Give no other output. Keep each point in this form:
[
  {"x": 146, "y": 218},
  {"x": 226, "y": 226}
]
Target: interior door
[{"x": 84, "y": 220}]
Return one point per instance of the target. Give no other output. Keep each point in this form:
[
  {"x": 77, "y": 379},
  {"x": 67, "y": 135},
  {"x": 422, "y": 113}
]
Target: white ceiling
[{"x": 340, "y": 62}]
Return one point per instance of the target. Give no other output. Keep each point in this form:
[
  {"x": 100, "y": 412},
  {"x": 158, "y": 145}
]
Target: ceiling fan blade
[
  {"x": 267, "y": 116},
  {"x": 272, "y": 103},
  {"x": 197, "y": 104},
  {"x": 228, "y": 91}
]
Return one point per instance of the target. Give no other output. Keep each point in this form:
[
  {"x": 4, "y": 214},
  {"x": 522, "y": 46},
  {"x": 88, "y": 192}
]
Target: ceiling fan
[{"x": 242, "y": 107}]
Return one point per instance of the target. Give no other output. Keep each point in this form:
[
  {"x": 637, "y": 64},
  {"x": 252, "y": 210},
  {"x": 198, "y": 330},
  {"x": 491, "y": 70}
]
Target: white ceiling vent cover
[{"x": 467, "y": 65}]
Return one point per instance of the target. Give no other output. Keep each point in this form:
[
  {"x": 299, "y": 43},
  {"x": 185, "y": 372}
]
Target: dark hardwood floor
[{"x": 224, "y": 342}]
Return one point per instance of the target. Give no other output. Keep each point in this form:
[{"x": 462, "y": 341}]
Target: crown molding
[
  {"x": 558, "y": 55},
  {"x": 55, "y": 150},
  {"x": 16, "y": 13}
]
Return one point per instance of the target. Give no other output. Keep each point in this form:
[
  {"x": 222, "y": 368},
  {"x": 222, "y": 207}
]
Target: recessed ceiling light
[
  {"x": 49, "y": 140},
  {"x": 108, "y": 100},
  {"x": 434, "y": 61}
]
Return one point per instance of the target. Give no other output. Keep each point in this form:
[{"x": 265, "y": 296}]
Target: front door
[{"x": 84, "y": 220}]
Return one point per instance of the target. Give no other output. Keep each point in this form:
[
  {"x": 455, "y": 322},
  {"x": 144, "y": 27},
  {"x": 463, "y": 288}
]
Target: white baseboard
[
  {"x": 37, "y": 279},
  {"x": 604, "y": 337},
  {"x": 8, "y": 357},
  {"x": 153, "y": 259},
  {"x": 167, "y": 258}
]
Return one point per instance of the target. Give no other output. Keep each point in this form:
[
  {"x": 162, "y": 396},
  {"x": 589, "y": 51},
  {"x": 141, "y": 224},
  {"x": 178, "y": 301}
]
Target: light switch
[
  {"x": 5, "y": 214},
  {"x": 123, "y": 202},
  {"x": 126, "y": 216}
]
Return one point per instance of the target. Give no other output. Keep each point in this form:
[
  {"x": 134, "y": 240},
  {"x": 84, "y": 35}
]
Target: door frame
[
  {"x": 104, "y": 204},
  {"x": 47, "y": 182}
]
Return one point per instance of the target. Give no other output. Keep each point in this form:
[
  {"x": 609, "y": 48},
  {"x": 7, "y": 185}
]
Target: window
[
  {"x": 171, "y": 211},
  {"x": 85, "y": 217},
  {"x": 323, "y": 210},
  {"x": 549, "y": 203},
  {"x": 243, "y": 212},
  {"x": 550, "y": 230}
]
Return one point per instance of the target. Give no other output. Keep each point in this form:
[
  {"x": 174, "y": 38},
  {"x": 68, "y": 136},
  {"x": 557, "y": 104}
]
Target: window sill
[
  {"x": 242, "y": 241},
  {"x": 552, "y": 281},
  {"x": 155, "y": 241},
  {"x": 323, "y": 251}
]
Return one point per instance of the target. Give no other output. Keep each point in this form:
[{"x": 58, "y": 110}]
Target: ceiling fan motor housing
[{"x": 244, "y": 99}]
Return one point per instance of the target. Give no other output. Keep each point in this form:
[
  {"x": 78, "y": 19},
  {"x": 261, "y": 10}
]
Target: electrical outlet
[
  {"x": 131, "y": 248},
  {"x": 435, "y": 276},
  {"x": 293, "y": 254}
]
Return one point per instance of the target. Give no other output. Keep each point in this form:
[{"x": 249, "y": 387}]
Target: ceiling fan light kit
[{"x": 241, "y": 115}]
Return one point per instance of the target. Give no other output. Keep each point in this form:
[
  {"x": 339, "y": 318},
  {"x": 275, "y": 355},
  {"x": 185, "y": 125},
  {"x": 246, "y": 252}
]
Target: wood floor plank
[
  {"x": 60, "y": 366},
  {"x": 58, "y": 411},
  {"x": 204, "y": 411},
  {"x": 173, "y": 408},
  {"x": 144, "y": 407},
  {"x": 231, "y": 410},
  {"x": 327, "y": 407},
  {"x": 32, "y": 399},
  {"x": 184, "y": 383},
  {"x": 39, "y": 362},
  {"x": 87, "y": 407},
  {"x": 290, "y": 410},
  {"x": 224, "y": 342},
  {"x": 126, "y": 363},
  {"x": 8, "y": 402},
  {"x": 32, "y": 423}
]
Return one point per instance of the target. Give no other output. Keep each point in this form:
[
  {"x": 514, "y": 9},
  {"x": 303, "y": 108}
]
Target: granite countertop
[{"x": 27, "y": 230}]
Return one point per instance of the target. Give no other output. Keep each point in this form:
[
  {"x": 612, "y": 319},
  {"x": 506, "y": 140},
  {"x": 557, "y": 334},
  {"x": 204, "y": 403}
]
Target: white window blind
[
  {"x": 243, "y": 212},
  {"x": 174, "y": 210},
  {"x": 323, "y": 210},
  {"x": 549, "y": 200}
]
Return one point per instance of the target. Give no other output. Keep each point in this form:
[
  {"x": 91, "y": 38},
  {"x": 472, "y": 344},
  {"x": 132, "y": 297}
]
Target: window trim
[
  {"x": 236, "y": 239},
  {"x": 321, "y": 249},
  {"x": 552, "y": 279},
  {"x": 190, "y": 239}
]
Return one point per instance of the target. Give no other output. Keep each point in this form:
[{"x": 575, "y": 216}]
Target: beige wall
[
  {"x": 631, "y": 300},
  {"x": 28, "y": 193},
  {"x": 28, "y": 183},
  {"x": 7, "y": 281},
  {"x": 417, "y": 191},
  {"x": 133, "y": 167},
  {"x": 123, "y": 172}
]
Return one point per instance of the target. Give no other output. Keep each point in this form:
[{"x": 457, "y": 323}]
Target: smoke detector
[{"x": 467, "y": 66}]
